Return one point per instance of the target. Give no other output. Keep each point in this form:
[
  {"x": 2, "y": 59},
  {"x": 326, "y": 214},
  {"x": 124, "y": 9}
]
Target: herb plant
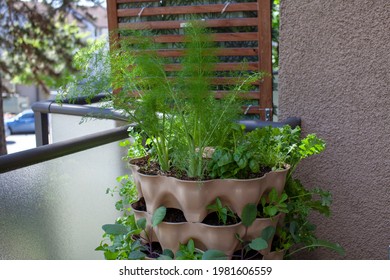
[
  {"x": 223, "y": 212},
  {"x": 273, "y": 204},
  {"x": 178, "y": 112}
]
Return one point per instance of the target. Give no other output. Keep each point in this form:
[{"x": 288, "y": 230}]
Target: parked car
[
  {"x": 22, "y": 123},
  {"x": 6, "y": 130}
]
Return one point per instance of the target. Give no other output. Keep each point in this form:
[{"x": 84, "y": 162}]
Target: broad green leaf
[
  {"x": 159, "y": 215},
  {"x": 141, "y": 223},
  {"x": 249, "y": 214},
  {"x": 225, "y": 159},
  {"x": 168, "y": 253},
  {"x": 273, "y": 195},
  {"x": 214, "y": 255},
  {"x": 115, "y": 229},
  {"x": 258, "y": 244},
  {"x": 271, "y": 210},
  {"x": 108, "y": 255},
  {"x": 268, "y": 233},
  {"x": 164, "y": 257},
  {"x": 137, "y": 255}
]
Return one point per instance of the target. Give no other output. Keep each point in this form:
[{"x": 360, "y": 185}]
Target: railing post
[{"x": 41, "y": 128}]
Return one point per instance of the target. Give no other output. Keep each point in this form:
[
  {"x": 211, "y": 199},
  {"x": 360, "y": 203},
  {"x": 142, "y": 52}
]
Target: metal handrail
[{"x": 48, "y": 152}]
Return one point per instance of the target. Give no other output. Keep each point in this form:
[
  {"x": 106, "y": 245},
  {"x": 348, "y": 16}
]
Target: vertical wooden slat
[
  {"x": 265, "y": 55},
  {"x": 112, "y": 17}
]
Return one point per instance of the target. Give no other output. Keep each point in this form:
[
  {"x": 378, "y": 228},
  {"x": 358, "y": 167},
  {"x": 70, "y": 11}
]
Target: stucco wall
[{"x": 335, "y": 74}]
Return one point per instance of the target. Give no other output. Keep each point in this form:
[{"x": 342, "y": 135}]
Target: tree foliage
[{"x": 36, "y": 45}]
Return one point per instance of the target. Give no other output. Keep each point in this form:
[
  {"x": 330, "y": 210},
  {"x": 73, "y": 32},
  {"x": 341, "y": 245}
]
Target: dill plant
[{"x": 177, "y": 111}]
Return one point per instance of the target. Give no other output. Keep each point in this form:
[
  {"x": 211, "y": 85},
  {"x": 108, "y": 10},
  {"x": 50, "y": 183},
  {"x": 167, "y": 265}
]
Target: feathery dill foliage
[{"x": 179, "y": 111}]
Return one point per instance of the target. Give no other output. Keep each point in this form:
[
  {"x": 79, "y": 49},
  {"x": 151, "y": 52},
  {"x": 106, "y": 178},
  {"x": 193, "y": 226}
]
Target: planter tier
[
  {"x": 193, "y": 197},
  {"x": 274, "y": 255},
  {"x": 205, "y": 237}
]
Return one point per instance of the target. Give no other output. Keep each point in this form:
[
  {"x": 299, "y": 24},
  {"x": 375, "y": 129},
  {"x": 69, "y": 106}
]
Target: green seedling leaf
[
  {"x": 258, "y": 244},
  {"x": 164, "y": 257},
  {"x": 108, "y": 255},
  {"x": 268, "y": 233},
  {"x": 225, "y": 159},
  {"x": 168, "y": 253},
  {"x": 254, "y": 166},
  {"x": 141, "y": 223},
  {"x": 137, "y": 255},
  {"x": 159, "y": 215},
  {"x": 271, "y": 210},
  {"x": 249, "y": 214},
  {"x": 214, "y": 255},
  {"x": 273, "y": 195},
  {"x": 191, "y": 246},
  {"x": 115, "y": 229}
]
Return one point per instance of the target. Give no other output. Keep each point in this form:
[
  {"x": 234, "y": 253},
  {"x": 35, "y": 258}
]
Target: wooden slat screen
[{"x": 242, "y": 30}]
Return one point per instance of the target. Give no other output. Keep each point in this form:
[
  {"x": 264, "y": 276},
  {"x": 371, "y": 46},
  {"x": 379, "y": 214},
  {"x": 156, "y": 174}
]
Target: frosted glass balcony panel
[{"x": 55, "y": 210}]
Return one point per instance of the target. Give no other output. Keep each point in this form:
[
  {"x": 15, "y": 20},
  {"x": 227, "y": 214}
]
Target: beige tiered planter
[
  {"x": 274, "y": 255},
  {"x": 205, "y": 237},
  {"x": 193, "y": 197}
]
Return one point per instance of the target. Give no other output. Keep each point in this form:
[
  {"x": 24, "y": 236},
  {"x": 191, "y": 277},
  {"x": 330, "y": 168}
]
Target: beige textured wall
[{"x": 335, "y": 74}]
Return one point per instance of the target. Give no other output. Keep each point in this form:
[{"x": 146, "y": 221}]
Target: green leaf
[
  {"x": 136, "y": 255},
  {"x": 141, "y": 223},
  {"x": 330, "y": 245},
  {"x": 108, "y": 255},
  {"x": 271, "y": 210},
  {"x": 254, "y": 166},
  {"x": 225, "y": 159},
  {"x": 115, "y": 229},
  {"x": 268, "y": 233},
  {"x": 191, "y": 246},
  {"x": 159, "y": 215},
  {"x": 168, "y": 253},
  {"x": 224, "y": 214},
  {"x": 273, "y": 195},
  {"x": 214, "y": 255},
  {"x": 258, "y": 244},
  {"x": 249, "y": 214},
  {"x": 165, "y": 257}
]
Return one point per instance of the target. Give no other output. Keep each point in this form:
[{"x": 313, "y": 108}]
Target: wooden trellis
[{"x": 242, "y": 29}]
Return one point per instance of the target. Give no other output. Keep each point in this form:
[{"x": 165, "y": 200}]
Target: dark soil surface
[
  {"x": 212, "y": 220},
  {"x": 149, "y": 167},
  {"x": 155, "y": 251},
  {"x": 174, "y": 215},
  {"x": 250, "y": 255},
  {"x": 140, "y": 205}
]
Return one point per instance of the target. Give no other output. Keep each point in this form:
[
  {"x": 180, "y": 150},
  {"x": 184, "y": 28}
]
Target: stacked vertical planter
[{"x": 193, "y": 197}]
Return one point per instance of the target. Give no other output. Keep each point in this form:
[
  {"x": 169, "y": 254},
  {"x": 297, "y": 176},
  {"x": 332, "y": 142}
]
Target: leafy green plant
[
  {"x": 251, "y": 152},
  {"x": 188, "y": 252},
  {"x": 127, "y": 191},
  {"x": 119, "y": 242},
  {"x": 137, "y": 146},
  {"x": 248, "y": 216},
  {"x": 297, "y": 232},
  {"x": 223, "y": 212},
  {"x": 273, "y": 204}
]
